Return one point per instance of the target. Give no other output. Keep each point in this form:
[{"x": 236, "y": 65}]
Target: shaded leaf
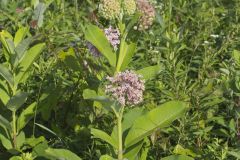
[
  {"x": 38, "y": 13},
  {"x": 17, "y": 101},
  {"x": 6, "y": 74},
  {"x": 103, "y": 136},
  {"x": 28, "y": 60},
  {"x": 25, "y": 116},
  {"x": 5, "y": 123}
]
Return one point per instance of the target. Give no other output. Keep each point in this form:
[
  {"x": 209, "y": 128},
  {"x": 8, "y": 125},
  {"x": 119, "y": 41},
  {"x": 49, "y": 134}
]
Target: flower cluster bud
[
  {"x": 129, "y": 6},
  {"x": 110, "y": 9},
  {"x": 147, "y": 14}
]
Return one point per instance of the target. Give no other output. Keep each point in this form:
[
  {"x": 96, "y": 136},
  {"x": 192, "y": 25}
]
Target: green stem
[
  {"x": 120, "y": 139},
  {"x": 120, "y": 148},
  {"x": 14, "y": 129}
]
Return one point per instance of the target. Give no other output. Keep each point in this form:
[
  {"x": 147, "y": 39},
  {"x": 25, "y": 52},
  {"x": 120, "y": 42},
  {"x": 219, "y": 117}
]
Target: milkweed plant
[{"x": 124, "y": 87}]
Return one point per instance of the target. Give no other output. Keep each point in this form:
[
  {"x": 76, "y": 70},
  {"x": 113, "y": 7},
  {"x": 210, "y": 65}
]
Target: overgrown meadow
[{"x": 119, "y": 79}]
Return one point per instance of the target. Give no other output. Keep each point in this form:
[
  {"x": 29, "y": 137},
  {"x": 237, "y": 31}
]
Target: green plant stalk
[
  {"x": 14, "y": 129},
  {"x": 120, "y": 148},
  {"x": 120, "y": 139}
]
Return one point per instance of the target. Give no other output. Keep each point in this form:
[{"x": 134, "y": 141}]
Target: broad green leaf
[
  {"x": 234, "y": 153},
  {"x": 5, "y": 123},
  {"x": 177, "y": 157},
  {"x": 96, "y": 36},
  {"x": 132, "y": 152},
  {"x": 157, "y": 118},
  {"x": 20, "y": 35},
  {"x": 6, "y": 74},
  {"x": 20, "y": 139},
  {"x": 25, "y": 116},
  {"x": 39, "y": 149},
  {"x": 5, "y": 142},
  {"x": 38, "y": 14},
  {"x": 4, "y": 96},
  {"x": 56, "y": 154},
  {"x": 150, "y": 72},
  {"x": 31, "y": 55},
  {"x": 4, "y": 35},
  {"x": 16, "y": 158},
  {"x": 106, "y": 157},
  {"x": 125, "y": 55},
  {"x": 91, "y": 94},
  {"x": 34, "y": 141},
  {"x": 17, "y": 101},
  {"x": 21, "y": 49},
  {"x": 103, "y": 136}
]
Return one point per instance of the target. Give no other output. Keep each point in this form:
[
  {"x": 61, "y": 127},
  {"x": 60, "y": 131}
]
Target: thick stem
[{"x": 14, "y": 129}]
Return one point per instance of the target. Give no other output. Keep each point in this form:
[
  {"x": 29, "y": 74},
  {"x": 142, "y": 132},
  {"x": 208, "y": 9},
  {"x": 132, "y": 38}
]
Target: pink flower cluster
[
  {"x": 113, "y": 36},
  {"x": 126, "y": 87}
]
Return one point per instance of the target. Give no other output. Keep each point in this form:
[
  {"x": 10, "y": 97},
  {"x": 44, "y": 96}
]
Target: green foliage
[{"x": 52, "y": 99}]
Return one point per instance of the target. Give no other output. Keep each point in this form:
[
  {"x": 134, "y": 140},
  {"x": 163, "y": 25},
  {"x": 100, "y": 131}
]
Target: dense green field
[{"x": 119, "y": 79}]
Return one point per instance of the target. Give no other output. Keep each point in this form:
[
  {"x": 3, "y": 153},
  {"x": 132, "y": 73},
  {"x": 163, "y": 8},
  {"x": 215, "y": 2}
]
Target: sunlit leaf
[
  {"x": 156, "y": 118},
  {"x": 97, "y": 37}
]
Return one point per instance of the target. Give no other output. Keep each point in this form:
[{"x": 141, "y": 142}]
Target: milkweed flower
[
  {"x": 129, "y": 6},
  {"x": 113, "y": 36},
  {"x": 147, "y": 14},
  {"x": 126, "y": 88},
  {"x": 110, "y": 9}
]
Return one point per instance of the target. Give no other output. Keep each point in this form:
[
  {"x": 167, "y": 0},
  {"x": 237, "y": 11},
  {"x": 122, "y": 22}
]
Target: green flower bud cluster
[
  {"x": 148, "y": 14},
  {"x": 129, "y": 7},
  {"x": 27, "y": 156},
  {"x": 110, "y": 9}
]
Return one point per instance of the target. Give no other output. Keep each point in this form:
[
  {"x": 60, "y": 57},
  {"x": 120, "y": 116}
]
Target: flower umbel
[
  {"x": 126, "y": 87},
  {"x": 148, "y": 14},
  {"x": 129, "y": 6},
  {"x": 113, "y": 36},
  {"x": 110, "y": 9}
]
